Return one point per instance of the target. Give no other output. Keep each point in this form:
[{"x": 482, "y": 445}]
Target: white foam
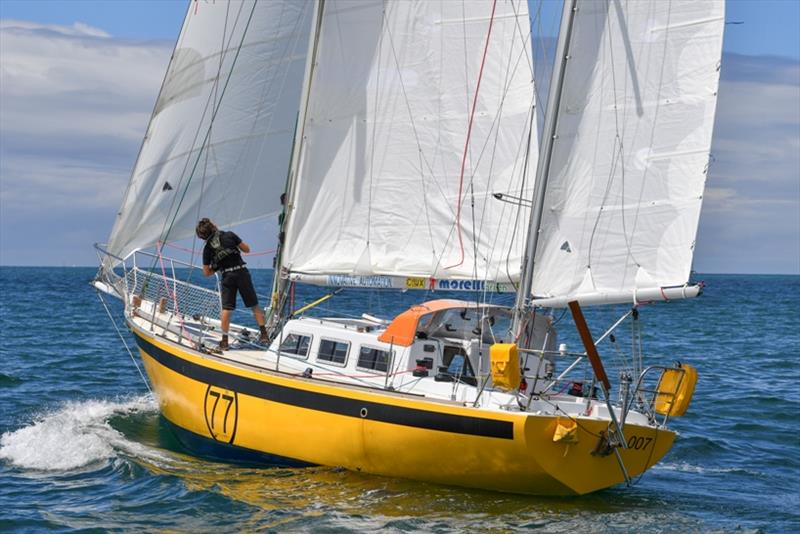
[
  {"x": 75, "y": 435},
  {"x": 689, "y": 468}
]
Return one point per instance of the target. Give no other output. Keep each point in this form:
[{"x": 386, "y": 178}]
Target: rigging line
[
  {"x": 184, "y": 249},
  {"x": 173, "y": 293},
  {"x": 178, "y": 42},
  {"x": 506, "y": 87},
  {"x": 522, "y": 189},
  {"x": 343, "y": 214},
  {"x": 617, "y": 147},
  {"x": 266, "y": 89},
  {"x": 474, "y": 243},
  {"x": 420, "y": 152},
  {"x": 285, "y": 61},
  {"x": 515, "y": 8},
  {"x": 469, "y": 133},
  {"x": 423, "y": 159},
  {"x": 292, "y": 187},
  {"x": 124, "y": 343},
  {"x": 529, "y": 34},
  {"x": 498, "y": 119},
  {"x": 653, "y": 128},
  {"x": 495, "y": 125},
  {"x": 464, "y": 48},
  {"x": 213, "y": 116},
  {"x": 205, "y": 164},
  {"x": 621, "y": 159},
  {"x": 539, "y": 21},
  {"x": 374, "y": 133},
  {"x": 211, "y": 98},
  {"x": 291, "y": 46},
  {"x": 498, "y": 116},
  {"x": 164, "y": 229}
]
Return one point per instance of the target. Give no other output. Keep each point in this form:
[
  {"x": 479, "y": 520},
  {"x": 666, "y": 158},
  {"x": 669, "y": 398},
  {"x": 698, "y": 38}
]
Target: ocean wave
[
  {"x": 9, "y": 380},
  {"x": 75, "y": 435},
  {"x": 685, "y": 467}
]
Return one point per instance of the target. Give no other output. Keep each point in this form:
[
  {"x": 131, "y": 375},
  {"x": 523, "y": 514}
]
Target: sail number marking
[
  {"x": 639, "y": 442},
  {"x": 222, "y": 413}
]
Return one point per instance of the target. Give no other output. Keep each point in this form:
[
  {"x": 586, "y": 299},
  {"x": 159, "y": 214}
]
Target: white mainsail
[
  {"x": 219, "y": 141},
  {"x": 630, "y": 150},
  {"x": 379, "y": 189}
]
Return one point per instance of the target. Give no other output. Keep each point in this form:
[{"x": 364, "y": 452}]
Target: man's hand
[
  {"x": 207, "y": 270},
  {"x": 244, "y": 247}
]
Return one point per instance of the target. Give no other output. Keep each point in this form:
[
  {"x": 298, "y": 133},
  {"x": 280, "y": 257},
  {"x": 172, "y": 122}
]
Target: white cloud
[
  {"x": 74, "y": 103},
  {"x": 751, "y": 212},
  {"x": 77, "y": 29}
]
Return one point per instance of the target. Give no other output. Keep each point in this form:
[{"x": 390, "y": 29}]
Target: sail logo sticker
[
  {"x": 462, "y": 285},
  {"x": 342, "y": 280},
  {"x": 474, "y": 285},
  {"x": 222, "y": 413},
  {"x": 416, "y": 282}
]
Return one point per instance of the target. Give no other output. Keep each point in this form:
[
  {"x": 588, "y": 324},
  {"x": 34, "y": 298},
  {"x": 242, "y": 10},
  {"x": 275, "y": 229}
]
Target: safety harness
[{"x": 219, "y": 252}]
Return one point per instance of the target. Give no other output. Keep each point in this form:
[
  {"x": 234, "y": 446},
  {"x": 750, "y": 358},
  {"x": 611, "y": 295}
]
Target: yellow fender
[
  {"x": 505, "y": 365},
  {"x": 566, "y": 431},
  {"x": 675, "y": 390}
]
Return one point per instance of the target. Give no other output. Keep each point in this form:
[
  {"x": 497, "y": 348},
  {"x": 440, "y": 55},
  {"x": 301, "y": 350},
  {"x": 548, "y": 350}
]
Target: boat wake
[
  {"x": 685, "y": 467},
  {"x": 75, "y": 435}
]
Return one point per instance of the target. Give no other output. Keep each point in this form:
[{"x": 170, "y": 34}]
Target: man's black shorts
[{"x": 233, "y": 280}]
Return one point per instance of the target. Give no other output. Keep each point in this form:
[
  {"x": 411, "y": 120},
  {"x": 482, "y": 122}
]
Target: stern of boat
[{"x": 580, "y": 461}]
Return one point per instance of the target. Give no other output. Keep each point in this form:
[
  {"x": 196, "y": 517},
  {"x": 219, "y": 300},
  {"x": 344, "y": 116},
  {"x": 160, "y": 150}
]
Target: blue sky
[
  {"x": 769, "y": 26},
  {"x": 78, "y": 80}
]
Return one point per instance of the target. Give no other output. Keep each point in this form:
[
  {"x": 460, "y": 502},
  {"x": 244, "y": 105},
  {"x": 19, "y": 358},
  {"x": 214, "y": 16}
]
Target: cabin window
[
  {"x": 374, "y": 359},
  {"x": 296, "y": 344},
  {"x": 458, "y": 365},
  {"x": 332, "y": 351}
]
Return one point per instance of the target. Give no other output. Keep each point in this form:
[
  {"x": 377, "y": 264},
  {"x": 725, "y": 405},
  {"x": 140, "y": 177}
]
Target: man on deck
[{"x": 222, "y": 254}]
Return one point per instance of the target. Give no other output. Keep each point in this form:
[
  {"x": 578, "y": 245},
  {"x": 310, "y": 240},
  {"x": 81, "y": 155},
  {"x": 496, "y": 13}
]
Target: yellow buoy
[{"x": 675, "y": 390}]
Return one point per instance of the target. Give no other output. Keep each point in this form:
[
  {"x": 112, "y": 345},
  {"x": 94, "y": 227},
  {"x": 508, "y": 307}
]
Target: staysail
[
  {"x": 385, "y": 186},
  {"x": 220, "y": 137},
  {"x": 630, "y": 150}
]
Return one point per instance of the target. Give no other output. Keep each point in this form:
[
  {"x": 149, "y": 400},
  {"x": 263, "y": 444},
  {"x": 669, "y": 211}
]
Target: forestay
[
  {"x": 380, "y": 189},
  {"x": 219, "y": 140},
  {"x": 631, "y": 149}
]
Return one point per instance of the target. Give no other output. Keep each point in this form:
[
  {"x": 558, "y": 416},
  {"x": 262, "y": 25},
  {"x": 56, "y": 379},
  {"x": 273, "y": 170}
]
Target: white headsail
[
  {"x": 630, "y": 150},
  {"x": 380, "y": 187},
  {"x": 219, "y": 141}
]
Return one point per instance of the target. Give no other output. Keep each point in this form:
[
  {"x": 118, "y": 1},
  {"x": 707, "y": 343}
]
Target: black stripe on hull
[
  {"x": 217, "y": 450},
  {"x": 397, "y": 415}
]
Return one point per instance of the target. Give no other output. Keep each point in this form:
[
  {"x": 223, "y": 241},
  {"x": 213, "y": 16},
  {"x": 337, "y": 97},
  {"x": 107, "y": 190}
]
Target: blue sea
[{"x": 83, "y": 447}]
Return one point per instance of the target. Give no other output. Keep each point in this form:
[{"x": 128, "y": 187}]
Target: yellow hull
[{"x": 293, "y": 419}]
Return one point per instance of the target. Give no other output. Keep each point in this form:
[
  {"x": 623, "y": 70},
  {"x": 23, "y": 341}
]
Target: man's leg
[
  {"x": 228, "y": 301},
  {"x": 258, "y": 313},
  {"x": 225, "y": 319},
  {"x": 250, "y": 299}
]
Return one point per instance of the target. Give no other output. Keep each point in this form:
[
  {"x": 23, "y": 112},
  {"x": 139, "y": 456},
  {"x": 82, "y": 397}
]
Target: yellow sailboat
[{"x": 415, "y": 165}]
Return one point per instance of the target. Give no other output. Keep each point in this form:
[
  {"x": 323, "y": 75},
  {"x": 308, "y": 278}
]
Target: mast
[
  {"x": 279, "y": 284},
  {"x": 543, "y": 165}
]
